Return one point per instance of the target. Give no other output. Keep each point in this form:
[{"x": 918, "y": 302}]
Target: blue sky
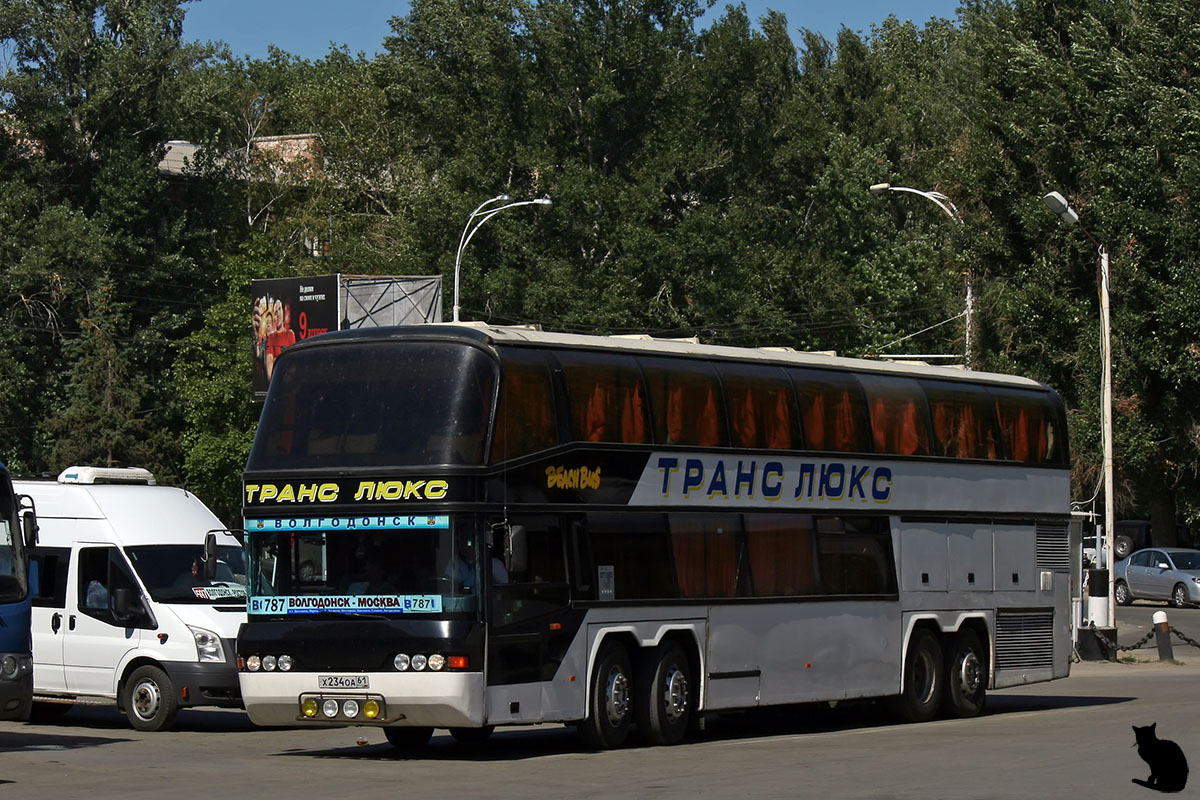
[{"x": 306, "y": 27}]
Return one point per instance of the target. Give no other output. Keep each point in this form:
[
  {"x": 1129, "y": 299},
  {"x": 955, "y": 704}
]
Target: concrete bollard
[{"x": 1162, "y": 636}]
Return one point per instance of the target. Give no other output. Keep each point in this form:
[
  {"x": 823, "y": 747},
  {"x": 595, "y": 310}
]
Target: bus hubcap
[
  {"x": 676, "y": 695},
  {"x": 970, "y": 673},
  {"x": 616, "y": 696},
  {"x": 146, "y": 699}
]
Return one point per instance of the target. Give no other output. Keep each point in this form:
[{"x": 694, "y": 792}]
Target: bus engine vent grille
[
  {"x": 1053, "y": 547},
  {"x": 1024, "y": 640}
]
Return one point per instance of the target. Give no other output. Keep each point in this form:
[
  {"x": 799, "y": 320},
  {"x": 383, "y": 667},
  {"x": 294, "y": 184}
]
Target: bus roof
[{"x": 483, "y": 333}]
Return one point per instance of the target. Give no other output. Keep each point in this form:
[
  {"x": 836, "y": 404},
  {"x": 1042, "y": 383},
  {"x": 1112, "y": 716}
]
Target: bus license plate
[{"x": 343, "y": 682}]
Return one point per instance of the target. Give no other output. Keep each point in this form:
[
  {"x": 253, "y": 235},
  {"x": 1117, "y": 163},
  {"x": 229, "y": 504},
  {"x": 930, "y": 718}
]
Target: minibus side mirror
[{"x": 121, "y": 603}]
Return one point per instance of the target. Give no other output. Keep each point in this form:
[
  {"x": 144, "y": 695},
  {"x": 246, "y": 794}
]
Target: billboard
[{"x": 285, "y": 311}]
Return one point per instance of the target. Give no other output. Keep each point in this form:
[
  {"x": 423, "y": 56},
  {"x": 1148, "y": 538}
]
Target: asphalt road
[{"x": 1070, "y": 738}]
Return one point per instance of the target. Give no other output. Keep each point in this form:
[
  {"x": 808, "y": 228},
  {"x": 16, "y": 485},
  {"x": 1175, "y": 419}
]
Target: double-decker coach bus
[{"x": 461, "y": 526}]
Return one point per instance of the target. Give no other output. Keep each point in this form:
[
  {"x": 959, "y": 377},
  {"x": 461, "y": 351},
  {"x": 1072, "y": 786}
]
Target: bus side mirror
[
  {"x": 29, "y": 525},
  {"x": 210, "y": 555},
  {"x": 516, "y": 549}
]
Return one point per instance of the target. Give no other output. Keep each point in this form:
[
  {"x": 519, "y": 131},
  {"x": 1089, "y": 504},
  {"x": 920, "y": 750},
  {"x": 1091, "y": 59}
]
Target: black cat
[{"x": 1168, "y": 767}]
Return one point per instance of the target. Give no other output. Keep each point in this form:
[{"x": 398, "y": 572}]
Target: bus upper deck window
[
  {"x": 1030, "y": 426},
  {"x": 899, "y": 415},
  {"x": 759, "y": 400},
  {"x": 525, "y": 420},
  {"x": 686, "y": 400},
  {"x": 832, "y": 411},
  {"x": 606, "y": 398},
  {"x": 964, "y": 423}
]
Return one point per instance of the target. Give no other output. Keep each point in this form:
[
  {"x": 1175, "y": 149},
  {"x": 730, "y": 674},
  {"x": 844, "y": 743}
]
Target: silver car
[{"x": 1159, "y": 573}]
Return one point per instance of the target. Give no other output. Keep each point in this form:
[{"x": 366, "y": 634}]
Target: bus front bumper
[{"x": 434, "y": 699}]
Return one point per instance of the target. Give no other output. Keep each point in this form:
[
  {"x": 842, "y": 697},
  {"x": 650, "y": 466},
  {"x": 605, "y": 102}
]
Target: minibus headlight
[
  {"x": 437, "y": 661},
  {"x": 253, "y": 663},
  {"x": 208, "y": 645}
]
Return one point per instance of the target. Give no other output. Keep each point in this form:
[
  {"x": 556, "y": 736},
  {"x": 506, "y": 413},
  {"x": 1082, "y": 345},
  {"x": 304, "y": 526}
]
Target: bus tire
[
  {"x": 149, "y": 699},
  {"x": 662, "y": 695},
  {"x": 607, "y": 724},
  {"x": 966, "y": 675},
  {"x": 472, "y": 737},
  {"x": 921, "y": 692},
  {"x": 408, "y": 739},
  {"x": 43, "y": 713}
]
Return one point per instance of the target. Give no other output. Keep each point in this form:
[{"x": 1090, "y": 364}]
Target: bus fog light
[
  {"x": 329, "y": 708},
  {"x": 309, "y": 707},
  {"x": 419, "y": 661},
  {"x": 254, "y": 663},
  {"x": 350, "y": 708},
  {"x": 402, "y": 662},
  {"x": 285, "y": 663},
  {"x": 370, "y": 709},
  {"x": 268, "y": 663},
  {"x": 9, "y": 667},
  {"x": 437, "y": 661}
]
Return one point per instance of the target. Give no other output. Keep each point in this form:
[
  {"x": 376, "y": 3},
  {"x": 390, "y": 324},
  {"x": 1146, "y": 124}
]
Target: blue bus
[{"x": 17, "y": 533}]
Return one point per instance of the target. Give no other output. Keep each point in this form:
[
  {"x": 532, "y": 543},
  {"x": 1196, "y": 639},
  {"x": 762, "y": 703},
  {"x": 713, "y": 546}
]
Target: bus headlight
[
  {"x": 437, "y": 661},
  {"x": 268, "y": 663},
  {"x": 371, "y": 709},
  {"x": 401, "y": 662},
  {"x": 350, "y": 708},
  {"x": 9, "y": 666},
  {"x": 419, "y": 661},
  {"x": 208, "y": 645},
  {"x": 309, "y": 707},
  {"x": 285, "y": 663},
  {"x": 253, "y": 663},
  {"x": 329, "y": 708}
]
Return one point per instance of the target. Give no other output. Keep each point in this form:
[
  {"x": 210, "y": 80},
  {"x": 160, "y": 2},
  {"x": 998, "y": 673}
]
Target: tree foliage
[{"x": 709, "y": 178}]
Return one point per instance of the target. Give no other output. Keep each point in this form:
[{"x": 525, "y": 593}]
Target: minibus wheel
[{"x": 149, "y": 698}]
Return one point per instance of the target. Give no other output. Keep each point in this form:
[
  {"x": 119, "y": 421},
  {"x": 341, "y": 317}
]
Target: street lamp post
[
  {"x": 942, "y": 202},
  {"x": 480, "y": 215},
  {"x": 1059, "y": 206}
]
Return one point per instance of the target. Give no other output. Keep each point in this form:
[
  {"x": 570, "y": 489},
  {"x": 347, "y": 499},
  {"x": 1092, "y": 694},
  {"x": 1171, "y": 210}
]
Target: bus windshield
[
  {"x": 14, "y": 582},
  {"x": 175, "y": 573},
  {"x": 376, "y": 404},
  {"x": 430, "y": 568}
]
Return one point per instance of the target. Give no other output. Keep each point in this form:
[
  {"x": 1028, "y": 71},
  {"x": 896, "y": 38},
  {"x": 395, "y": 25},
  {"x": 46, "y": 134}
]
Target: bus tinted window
[
  {"x": 635, "y": 548},
  {"x": 831, "y": 410},
  {"x": 855, "y": 557},
  {"x": 605, "y": 397},
  {"x": 963, "y": 421},
  {"x": 686, "y": 399},
  {"x": 759, "y": 400},
  {"x": 1030, "y": 426},
  {"x": 780, "y": 549},
  {"x": 708, "y": 559},
  {"x": 525, "y": 420},
  {"x": 899, "y": 415},
  {"x": 375, "y": 404}
]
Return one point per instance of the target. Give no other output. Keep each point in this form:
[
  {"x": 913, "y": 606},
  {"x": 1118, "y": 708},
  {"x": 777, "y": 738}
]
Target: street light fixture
[
  {"x": 480, "y": 215},
  {"x": 942, "y": 202},
  {"x": 1058, "y": 205}
]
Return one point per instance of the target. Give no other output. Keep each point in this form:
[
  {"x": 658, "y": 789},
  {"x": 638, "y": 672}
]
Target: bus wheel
[
  {"x": 921, "y": 694},
  {"x": 663, "y": 695},
  {"x": 472, "y": 736},
  {"x": 48, "y": 713},
  {"x": 607, "y": 725},
  {"x": 150, "y": 700},
  {"x": 408, "y": 739},
  {"x": 966, "y": 675}
]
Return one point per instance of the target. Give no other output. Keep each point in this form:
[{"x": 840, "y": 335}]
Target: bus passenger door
[{"x": 526, "y": 622}]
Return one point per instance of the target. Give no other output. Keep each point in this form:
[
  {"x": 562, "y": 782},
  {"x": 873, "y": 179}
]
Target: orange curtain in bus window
[
  {"x": 687, "y": 541},
  {"x": 780, "y": 557},
  {"x": 812, "y": 416},
  {"x": 720, "y": 552},
  {"x": 708, "y": 426},
  {"x": 742, "y": 413},
  {"x": 1026, "y": 431},
  {"x": 597, "y": 415},
  {"x": 633, "y": 414},
  {"x": 523, "y": 421},
  {"x": 896, "y": 426},
  {"x": 779, "y": 431},
  {"x": 845, "y": 427}
]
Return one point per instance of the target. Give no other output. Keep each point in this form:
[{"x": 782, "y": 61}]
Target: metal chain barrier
[
  {"x": 1185, "y": 638},
  {"x": 1114, "y": 646}
]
